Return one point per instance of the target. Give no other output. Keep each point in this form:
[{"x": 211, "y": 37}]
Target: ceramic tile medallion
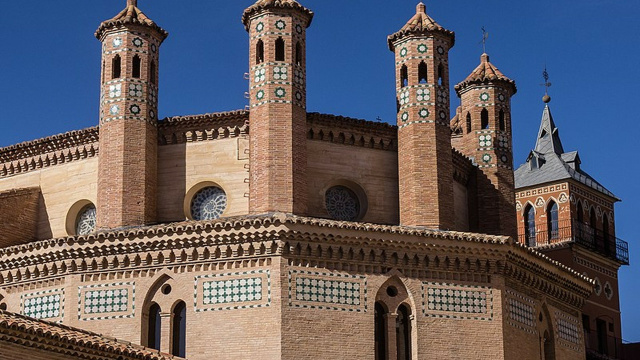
[
  {"x": 43, "y": 305},
  {"x": 232, "y": 291},
  {"x": 522, "y": 314},
  {"x": 568, "y": 330},
  {"x": 331, "y": 291},
  {"x": 452, "y": 301},
  {"x": 106, "y": 301}
]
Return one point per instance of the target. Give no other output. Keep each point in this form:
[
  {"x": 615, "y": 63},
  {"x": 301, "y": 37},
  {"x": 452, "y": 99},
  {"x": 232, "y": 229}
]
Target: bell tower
[
  {"x": 128, "y": 117},
  {"x": 421, "y": 50},
  {"x": 278, "y": 115},
  {"x": 485, "y": 115}
]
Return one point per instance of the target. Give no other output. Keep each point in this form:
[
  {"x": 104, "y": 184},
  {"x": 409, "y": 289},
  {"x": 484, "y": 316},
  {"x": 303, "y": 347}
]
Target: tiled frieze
[
  {"x": 332, "y": 291},
  {"x": 568, "y": 330},
  {"x": 453, "y": 301},
  {"x": 232, "y": 291},
  {"x": 522, "y": 312},
  {"x": 45, "y": 305},
  {"x": 106, "y": 301}
]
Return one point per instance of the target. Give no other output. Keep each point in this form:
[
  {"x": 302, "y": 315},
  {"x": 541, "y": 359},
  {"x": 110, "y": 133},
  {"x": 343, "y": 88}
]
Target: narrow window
[
  {"x": 115, "y": 67},
  {"x": 605, "y": 233},
  {"x": 440, "y": 75},
  {"x": 403, "y": 333},
  {"x": 501, "y": 120},
  {"x": 552, "y": 220},
  {"x": 593, "y": 220},
  {"x": 380, "y": 333},
  {"x": 404, "y": 76},
  {"x": 530, "y": 226},
  {"x": 298, "y": 53},
  {"x": 153, "y": 339},
  {"x": 422, "y": 73},
  {"x": 135, "y": 72},
  {"x": 152, "y": 72},
  {"x": 549, "y": 351},
  {"x": 579, "y": 229},
  {"x": 484, "y": 118},
  {"x": 259, "y": 52},
  {"x": 601, "y": 328},
  {"x": 580, "y": 212},
  {"x": 279, "y": 49},
  {"x": 3, "y": 307},
  {"x": 103, "y": 69},
  {"x": 179, "y": 330},
  {"x": 468, "y": 123}
]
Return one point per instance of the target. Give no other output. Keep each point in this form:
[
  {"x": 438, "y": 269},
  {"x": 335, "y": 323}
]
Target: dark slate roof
[{"x": 548, "y": 162}]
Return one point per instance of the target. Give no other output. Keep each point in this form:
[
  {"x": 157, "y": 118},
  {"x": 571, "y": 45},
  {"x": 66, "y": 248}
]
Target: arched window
[
  {"x": 549, "y": 351},
  {"x": 593, "y": 219},
  {"x": 116, "y": 65},
  {"x": 179, "y": 330},
  {"x": 259, "y": 52},
  {"x": 298, "y": 53},
  {"x": 380, "y": 333},
  {"x": 484, "y": 119},
  {"x": 86, "y": 220},
  {"x": 501, "y": 120},
  {"x": 152, "y": 72},
  {"x": 103, "y": 70},
  {"x": 279, "y": 49},
  {"x": 135, "y": 72},
  {"x": 403, "y": 333},
  {"x": 422, "y": 73},
  {"x": 580, "y": 213},
  {"x": 440, "y": 75},
  {"x": 404, "y": 76},
  {"x": 208, "y": 203},
  {"x": 530, "y": 226},
  {"x": 552, "y": 220},
  {"x": 468, "y": 122},
  {"x": 154, "y": 328},
  {"x": 605, "y": 234}
]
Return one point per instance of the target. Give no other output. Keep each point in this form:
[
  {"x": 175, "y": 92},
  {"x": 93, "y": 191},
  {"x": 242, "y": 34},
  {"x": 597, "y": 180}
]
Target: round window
[
  {"x": 86, "y": 220},
  {"x": 208, "y": 203},
  {"x": 342, "y": 203}
]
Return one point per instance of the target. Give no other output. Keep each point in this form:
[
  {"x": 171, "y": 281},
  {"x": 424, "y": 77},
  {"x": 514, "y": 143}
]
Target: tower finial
[
  {"x": 485, "y": 37},
  {"x": 132, "y": 3},
  {"x": 545, "y": 75},
  {"x": 421, "y": 8}
]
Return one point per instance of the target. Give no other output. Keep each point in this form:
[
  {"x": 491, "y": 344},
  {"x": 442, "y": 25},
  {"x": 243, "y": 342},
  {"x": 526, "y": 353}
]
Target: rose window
[
  {"x": 86, "y": 222},
  {"x": 208, "y": 203},
  {"x": 342, "y": 203}
]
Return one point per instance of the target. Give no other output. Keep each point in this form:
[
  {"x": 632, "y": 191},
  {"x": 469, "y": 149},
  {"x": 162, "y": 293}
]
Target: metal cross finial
[
  {"x": 485, "y": 37},
  {"x": 546, "y": 84}
]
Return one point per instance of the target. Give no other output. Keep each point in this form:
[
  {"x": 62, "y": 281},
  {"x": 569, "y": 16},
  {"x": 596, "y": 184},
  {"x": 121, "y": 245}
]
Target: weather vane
[
  {"x": 485, "y": 36},
  {"x": 546, "y": 84}
]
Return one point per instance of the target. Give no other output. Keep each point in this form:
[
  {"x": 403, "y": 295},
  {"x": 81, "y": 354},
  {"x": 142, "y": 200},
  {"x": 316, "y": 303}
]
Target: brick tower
[
  {"x": 278, "y": 117},
  {"x": 421, "y": 50},
  {"x": 128, "y": 117},
  {"x": 485, "y": 115}
]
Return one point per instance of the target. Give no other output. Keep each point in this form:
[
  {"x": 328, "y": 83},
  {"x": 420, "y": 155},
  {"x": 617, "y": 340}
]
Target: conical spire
[
  {"x": 548, "y": 136},
  {"x": 420, "y": 24},
  {"x": 130, "y": 15},
  {"x": 485, "y": 73},
  {"x": 266, "y": 4}
]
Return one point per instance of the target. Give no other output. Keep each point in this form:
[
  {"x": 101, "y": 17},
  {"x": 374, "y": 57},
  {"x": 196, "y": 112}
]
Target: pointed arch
[
  {"x": 501, "y": 121},
  {"x": 151, "y": 309},
  {"x": 280, "y": 46},
  {"x": 395, "y": 331},
  {"x": 484, "y": 119},
  {"x": 136, "y": 67},
  {"x": 154, "y": 327},
  {"x": 468, "y": 122},
  {"x": 116, "y": 67},
  {"x": 298, "y": 54},
  {"x": 579, "y": 212},
  {"x": 593, "y": 218},
  {"x": 404, "y": 76},
  {"x": 547, "y": 338},
  {"x": 440, "y": 74},
  {"x": 152, "y": 72},
  {"x": 259, "y": 52},
  {"x": 423, "y": 72}
]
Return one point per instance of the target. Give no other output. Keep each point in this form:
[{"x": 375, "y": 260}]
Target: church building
[{"x": 276, "y": 233}]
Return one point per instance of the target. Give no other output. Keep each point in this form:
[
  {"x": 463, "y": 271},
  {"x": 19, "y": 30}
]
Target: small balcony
[
  {"x": 600, "y": 346},
  {"x": 581, "y": 234}
]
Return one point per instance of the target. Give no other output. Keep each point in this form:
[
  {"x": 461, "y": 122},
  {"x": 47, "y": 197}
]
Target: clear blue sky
[{"x": 50, "y": 70}]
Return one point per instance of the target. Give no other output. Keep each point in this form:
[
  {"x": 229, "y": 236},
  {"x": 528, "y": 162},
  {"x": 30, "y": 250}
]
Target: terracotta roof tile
[
  {"x": 485, "y": 73},
  {"x": 22, "y": 327},
  {"x": 267, "y": 4},
  {"x": 420, "y": 24},
  {"x": 130, "y": 15}
]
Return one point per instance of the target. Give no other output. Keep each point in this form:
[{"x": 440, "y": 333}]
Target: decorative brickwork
[
  {"x": 331, "y": 291},
  {"x": 47, "y": 304},
  {"x": 107, "y": 301},
  {"x": 451, "y": 301},
  {"x": 232, "y": 291}
]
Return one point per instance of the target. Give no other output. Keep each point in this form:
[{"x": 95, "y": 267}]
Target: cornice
[
  {"x": 350, "y": 131},
  {"x": 212, "y": 126}
]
